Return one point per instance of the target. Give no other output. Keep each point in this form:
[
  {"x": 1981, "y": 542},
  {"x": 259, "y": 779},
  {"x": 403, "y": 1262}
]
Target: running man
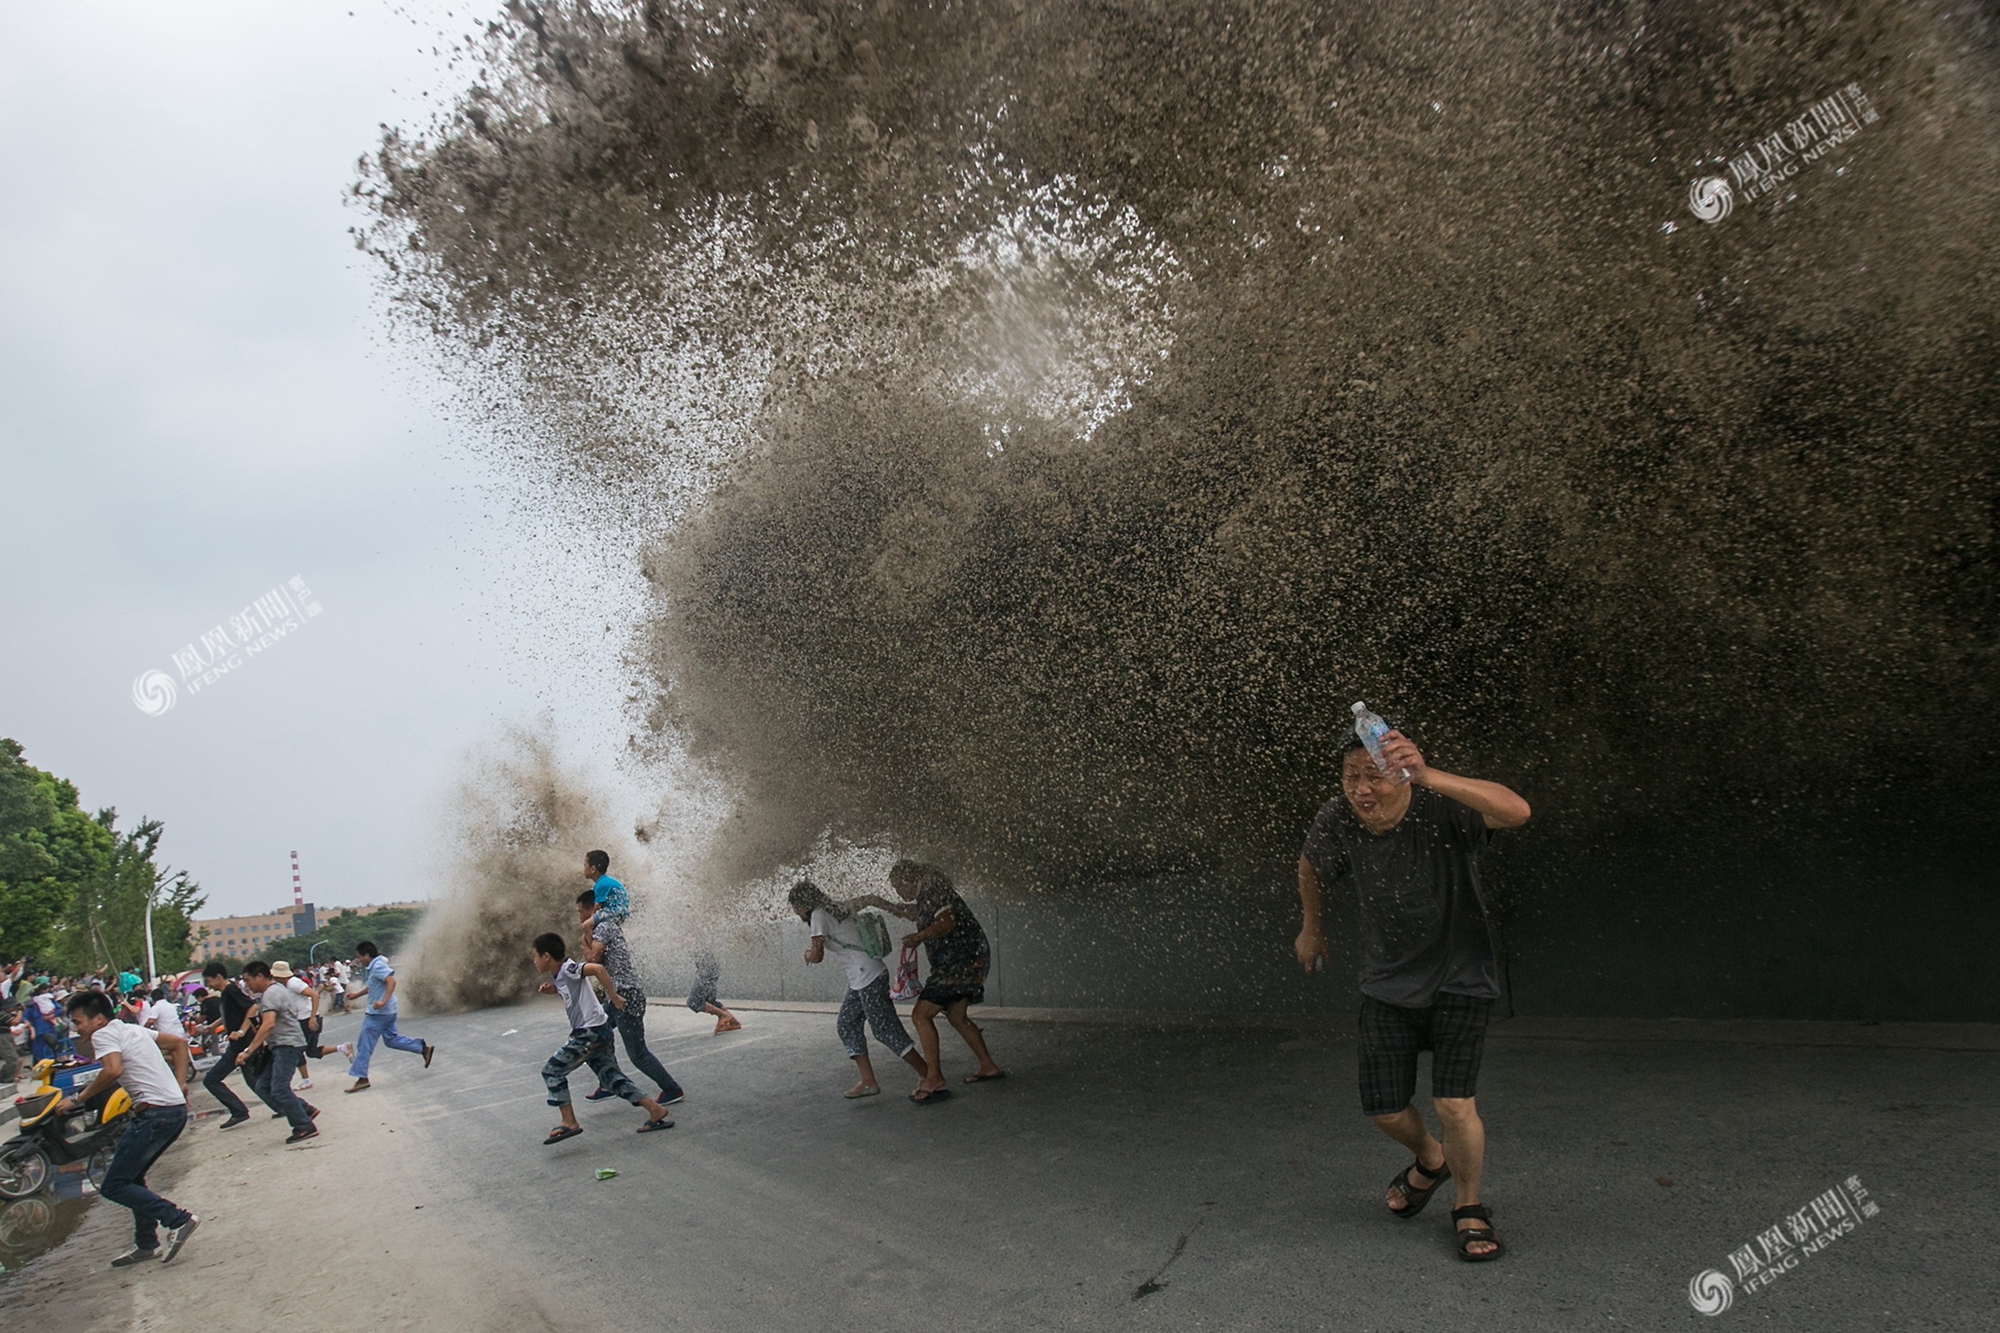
[
  {"x": 237, "y": 1006},
  {"x": 604, "y": 943},
  {"x": 279, "y": 1034},
  {"x": 1409, "y": 857},
  {"x": 378, "y": 1021},
  {"x": 131, "y": 1055}
]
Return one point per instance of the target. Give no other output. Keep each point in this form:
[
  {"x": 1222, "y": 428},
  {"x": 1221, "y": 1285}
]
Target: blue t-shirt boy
[{"x": 612, "y": 900}]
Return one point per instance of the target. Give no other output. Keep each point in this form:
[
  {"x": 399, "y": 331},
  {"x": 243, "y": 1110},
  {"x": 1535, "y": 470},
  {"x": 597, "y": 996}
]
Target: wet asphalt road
[{"x": 1129, "y": 1177}]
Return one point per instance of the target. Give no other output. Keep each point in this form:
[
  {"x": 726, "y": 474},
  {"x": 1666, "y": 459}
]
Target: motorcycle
[{"x": 52, "y": 1138}]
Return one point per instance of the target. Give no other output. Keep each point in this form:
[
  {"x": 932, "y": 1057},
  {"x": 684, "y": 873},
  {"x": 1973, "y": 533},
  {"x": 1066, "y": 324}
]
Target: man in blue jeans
[
  {"x": 132, "y": 1056},
  {"x": 278, "y": 1014},
  {"x": 378, "y": 1021}
]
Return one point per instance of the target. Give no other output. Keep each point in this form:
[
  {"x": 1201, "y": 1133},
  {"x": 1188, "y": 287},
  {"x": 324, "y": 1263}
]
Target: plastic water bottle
[{"x": 1371, "y": 729}]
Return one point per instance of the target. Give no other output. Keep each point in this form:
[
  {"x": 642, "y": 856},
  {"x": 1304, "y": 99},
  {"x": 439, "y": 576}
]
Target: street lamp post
[{"x": 315, "y": 949}]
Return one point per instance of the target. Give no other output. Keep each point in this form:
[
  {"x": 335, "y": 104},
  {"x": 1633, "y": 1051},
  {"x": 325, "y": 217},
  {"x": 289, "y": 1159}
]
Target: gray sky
[{"x": 200, "y": 402}]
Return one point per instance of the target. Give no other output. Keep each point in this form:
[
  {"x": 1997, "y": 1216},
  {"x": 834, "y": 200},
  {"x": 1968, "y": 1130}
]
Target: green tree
[
  {"x": 106, "y": 922},
  {"x": 48, "y": 848}
]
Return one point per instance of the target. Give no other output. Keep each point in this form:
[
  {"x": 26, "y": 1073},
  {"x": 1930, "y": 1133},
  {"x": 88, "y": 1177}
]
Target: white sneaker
[
  {"x": 177, "y": 1237},
  {"x": 346, "y": 1048},
  {"x": 303, "y": 1084}
]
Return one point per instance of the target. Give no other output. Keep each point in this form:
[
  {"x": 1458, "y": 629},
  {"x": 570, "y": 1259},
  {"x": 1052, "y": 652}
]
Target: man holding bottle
[{"x": 1407, "y": 853}]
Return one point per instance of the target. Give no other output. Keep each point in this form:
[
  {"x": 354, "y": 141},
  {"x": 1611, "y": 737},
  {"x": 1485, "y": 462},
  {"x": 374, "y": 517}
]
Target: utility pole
[{"x": 167, "y": 874}]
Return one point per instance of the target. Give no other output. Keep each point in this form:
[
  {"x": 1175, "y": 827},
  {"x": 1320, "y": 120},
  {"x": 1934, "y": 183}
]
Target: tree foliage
[{"x": 73, "y": 888}]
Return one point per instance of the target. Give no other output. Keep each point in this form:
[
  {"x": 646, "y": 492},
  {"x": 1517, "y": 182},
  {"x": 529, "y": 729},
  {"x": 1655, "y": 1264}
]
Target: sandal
[
  {"x": 1466, "y": 1235},
  {"x": 654, "y": 1126},
  {"x": 923, "y": 1098},
  {"x": 1414, "y": 1199},
  {"x": 559, "y": 1133}
]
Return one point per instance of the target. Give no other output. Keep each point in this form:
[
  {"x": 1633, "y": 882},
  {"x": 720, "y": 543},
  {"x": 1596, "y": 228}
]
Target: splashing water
[{"x": 1047, "y": 418}]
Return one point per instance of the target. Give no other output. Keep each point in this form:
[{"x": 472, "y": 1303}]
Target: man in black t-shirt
[
  {"x": 237, "y": 1005},
  {"x": 1408, "y": 855}
]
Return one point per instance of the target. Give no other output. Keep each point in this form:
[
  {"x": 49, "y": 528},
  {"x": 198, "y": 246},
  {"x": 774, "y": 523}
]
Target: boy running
[{"x": 589, "y": 1038}]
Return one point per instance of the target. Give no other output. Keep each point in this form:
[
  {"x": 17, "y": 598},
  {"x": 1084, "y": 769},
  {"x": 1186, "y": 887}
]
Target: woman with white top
[{"x": 867, "y": 1000}]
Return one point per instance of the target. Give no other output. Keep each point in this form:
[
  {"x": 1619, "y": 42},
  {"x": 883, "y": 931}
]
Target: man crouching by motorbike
[{"x": 132, "y": 1056}]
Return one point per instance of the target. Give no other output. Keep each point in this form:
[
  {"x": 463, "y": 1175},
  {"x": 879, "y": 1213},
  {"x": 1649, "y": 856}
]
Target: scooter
[{"x": 52, "y": 1138}]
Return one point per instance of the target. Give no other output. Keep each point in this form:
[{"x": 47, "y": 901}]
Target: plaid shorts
[{"x": 1452, "y": 1029}]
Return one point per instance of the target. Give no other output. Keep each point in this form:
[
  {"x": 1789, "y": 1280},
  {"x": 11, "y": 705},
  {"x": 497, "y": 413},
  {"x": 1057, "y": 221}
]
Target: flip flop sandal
[
  {"x": 1414, "y": 1199},
  {"x": 1467, "y": 1235},
  {"x": 926, "y": 1098},
  {"x": 865, "y": 1092},
  {"x": 664, "y": 1122},
  {"x": 558, "y": 1135},
  {"x": 985, "y": 1078}
]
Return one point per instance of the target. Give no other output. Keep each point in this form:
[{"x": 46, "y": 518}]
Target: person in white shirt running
[{"x": 132, "y": 1056}]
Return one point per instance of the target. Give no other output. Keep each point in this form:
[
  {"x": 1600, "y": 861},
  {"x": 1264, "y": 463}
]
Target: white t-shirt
[
  {"x": 844, "y": 938},
  {"x": 146, "y": 1074},
  {"x": 585, "y": 1010},
  {"x": 164, "y": 1017}
]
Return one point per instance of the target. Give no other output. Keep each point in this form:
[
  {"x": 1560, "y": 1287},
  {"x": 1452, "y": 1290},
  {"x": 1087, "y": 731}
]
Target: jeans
[
  {"x": 274, "y": 1087},
  {"x": 872, "y": 1003},
  {"x": 631, "y": 1024},
  {"x": 151, "y": 1133},
  {"x": 213, "y": 1080},
  {"x": 379, "y": 1027},
  {"x": 588, "y": 1046}
]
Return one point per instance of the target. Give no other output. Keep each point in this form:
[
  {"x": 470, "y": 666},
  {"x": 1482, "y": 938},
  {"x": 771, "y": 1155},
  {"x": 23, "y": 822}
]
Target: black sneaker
[
  {"x": 135, "y": 1255},
  {"x": 234, "y": 1121},
  {"x": 177, "y": 1237},
  {"x": 301, "y": 1135}
]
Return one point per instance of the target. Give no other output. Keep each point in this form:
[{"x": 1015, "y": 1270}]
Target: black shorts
[{"x": 1452, "y": 1029}]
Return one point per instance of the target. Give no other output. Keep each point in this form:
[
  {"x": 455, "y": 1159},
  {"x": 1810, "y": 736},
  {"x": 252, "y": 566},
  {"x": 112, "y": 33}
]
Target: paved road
[{"x": 1126, "y": 1177}]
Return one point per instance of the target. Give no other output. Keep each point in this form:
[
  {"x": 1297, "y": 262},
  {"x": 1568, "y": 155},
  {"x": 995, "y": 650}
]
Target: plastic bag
[
  {"x": 905, "y": 986},
  {"x": 874, "y": 932}
]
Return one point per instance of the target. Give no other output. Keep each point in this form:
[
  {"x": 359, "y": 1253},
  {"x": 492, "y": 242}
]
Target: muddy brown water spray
[{"x": 1052, "y": 416}]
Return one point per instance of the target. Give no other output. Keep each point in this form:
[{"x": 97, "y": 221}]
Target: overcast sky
[{"x": 198, "y": 401}]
